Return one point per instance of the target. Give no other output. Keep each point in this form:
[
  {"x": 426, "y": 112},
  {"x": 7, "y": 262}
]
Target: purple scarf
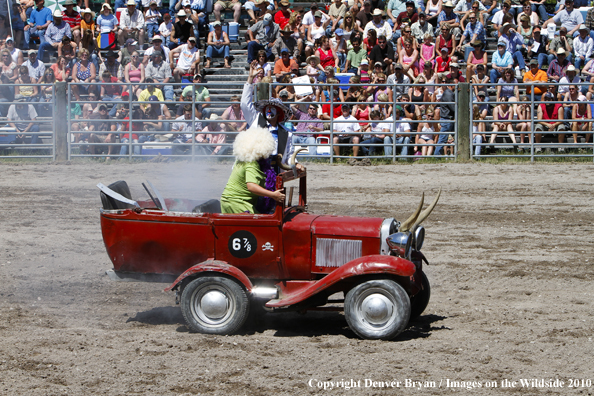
[{"x": 266, "y": 205}]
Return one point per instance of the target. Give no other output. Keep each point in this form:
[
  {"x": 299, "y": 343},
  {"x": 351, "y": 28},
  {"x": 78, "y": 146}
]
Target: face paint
[{"x": 270, "y": 112}]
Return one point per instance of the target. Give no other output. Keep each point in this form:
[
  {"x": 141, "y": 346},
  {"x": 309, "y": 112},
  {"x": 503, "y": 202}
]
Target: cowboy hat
[
  {"x": 314, "y": 58},
  {"x": 285, "y": 112}
]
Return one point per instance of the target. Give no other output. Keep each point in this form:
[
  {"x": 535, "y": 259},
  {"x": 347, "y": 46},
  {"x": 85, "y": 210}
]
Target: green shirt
[
  {"x": 200, "y": 92},
  {"x": 236, "y": 197},
  {"x": 356, "y": 57}
]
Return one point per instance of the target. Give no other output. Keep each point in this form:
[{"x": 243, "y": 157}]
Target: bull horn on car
[
  {"x": 280, "y": 163},
  {"x": 406, "y": 225},
  {"x": 293, "y": 161},
  {"x": 428, "y": 211}
]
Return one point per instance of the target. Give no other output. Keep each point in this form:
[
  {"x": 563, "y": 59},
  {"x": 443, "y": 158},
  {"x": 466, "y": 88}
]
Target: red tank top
[
  {"x": 326, "y": 59},
  {"x": 547, "y": 116}
]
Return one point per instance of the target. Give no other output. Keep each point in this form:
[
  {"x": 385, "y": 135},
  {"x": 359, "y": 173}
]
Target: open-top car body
[{"x": 224, "y": 265}]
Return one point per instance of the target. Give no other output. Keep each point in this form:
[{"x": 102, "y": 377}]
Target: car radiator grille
[{"x": 336, "y": 252}]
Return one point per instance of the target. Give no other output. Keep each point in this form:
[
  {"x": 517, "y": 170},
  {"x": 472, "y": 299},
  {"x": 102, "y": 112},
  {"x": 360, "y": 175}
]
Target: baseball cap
[
  {"x": 285, "y": 50},
  {"x": 444, "y": 49},
  {"x": 9, "y": 39},
  {"x": 378, "y": 64},
  {"x": 364, "y": 62},
  {"x": 131, "y": 41},
  {"x": 318, "y": 14},
  {"x": 534, "y": 62},
  {"x": 501, "y": 43},
  {"x": 454, "y": 64},
  {"x": 192, "y": 38},
  {"x": 268, "y": 17},
  {"x": 153, "y": 98},
  {"x": 216, "y": 23},
  {"x": 398, "y": 66},
  {"x": 157, "y": 37},
  {"x": 582, "y": 98},
  {"x": 284, "y": 92},
  {"x": 345, "y": 106},
  {"x": 339, "y": 32},
  {"x": 549, "y": 95},
  {"x": 482, "y": 93}
]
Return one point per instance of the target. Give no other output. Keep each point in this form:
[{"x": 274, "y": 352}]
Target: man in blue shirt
[
  {"x": 474, "y": 31},
  {"x": 38, "y": 21},
  {"x": 54, "y": 34},
  {"x": 448, "y": 15}
]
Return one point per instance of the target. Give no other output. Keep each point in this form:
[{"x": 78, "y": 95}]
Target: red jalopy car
[{"x": 224, "y": 265}]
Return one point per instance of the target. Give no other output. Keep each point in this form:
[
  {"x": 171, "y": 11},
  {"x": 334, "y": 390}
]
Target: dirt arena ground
[{"x": 512, "y": 266}]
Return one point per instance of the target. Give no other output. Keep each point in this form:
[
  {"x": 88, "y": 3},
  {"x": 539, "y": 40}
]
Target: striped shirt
[{"x": 73, "y": 20}]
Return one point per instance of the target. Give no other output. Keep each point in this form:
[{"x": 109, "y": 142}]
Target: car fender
[
  {"x": 366, "y": 265},
  {"x": 214, "y": 266}
]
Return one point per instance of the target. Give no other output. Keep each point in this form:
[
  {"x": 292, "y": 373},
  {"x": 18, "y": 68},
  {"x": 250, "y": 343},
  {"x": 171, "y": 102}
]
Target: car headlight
[
  {"x": 419, "y": 237},
  {"x": 401, "y": 244}
]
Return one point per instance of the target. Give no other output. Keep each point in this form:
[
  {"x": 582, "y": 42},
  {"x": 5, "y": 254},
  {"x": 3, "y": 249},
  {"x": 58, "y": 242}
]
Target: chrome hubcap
[
  {"x": 214, "y": 304},
  {"x": 375, "y": 309}
]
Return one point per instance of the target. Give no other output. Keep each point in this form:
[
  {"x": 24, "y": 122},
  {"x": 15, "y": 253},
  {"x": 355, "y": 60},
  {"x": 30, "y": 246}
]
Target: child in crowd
[
  {"x": 364, "y": 71},
  {"x": 313, "y": 67},
  {"x": 151, "y": 17},
  {"x": 427, "y": 52},
  {"x": 165, "y": 29}
]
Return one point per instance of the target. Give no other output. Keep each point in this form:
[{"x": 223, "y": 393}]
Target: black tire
[
  {"x": 214, "y": 305},
  {"x": 419, "y": 301},
  {"x": 377, "y": 309}
]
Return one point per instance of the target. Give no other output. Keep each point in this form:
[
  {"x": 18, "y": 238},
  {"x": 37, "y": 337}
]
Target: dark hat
[
  {"x": 153, "y": 98},
  {"x": 345, "y": 106},
  {"x": 110, "y": 53},
  {"x": 482, "y": 93},
  {"x": 398, "y": 66},
  {"x": 534, "y": 62}
]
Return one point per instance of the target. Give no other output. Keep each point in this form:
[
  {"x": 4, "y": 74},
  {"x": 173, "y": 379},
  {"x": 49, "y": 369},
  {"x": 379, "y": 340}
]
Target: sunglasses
[
  {"x": 381, "y": 42},
  {"x": 134, "y": 56}
]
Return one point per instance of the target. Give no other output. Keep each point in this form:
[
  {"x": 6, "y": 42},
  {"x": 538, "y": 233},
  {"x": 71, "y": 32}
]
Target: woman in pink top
[
  {"x": 477, "y": 57},
  {"x": 427, "y": 52},
  {"x": 134, "y": 73},
  {"x": 409, "y": 57}
]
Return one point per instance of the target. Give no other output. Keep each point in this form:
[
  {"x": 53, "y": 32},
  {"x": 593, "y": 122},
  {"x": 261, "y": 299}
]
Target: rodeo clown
[
  {"x": 271, "y": 114},
  {"x": 251, "y": 173}
]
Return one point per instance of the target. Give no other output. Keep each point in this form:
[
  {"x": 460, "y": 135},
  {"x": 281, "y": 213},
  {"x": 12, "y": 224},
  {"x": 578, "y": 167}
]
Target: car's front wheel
[
  {"x": 214, "y": 305},
  {"x": 377, "y": 309}
]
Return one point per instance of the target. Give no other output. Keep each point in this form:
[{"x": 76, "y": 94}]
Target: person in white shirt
[
  {"x": 131, "y": 24},
  {"x": 346, "y": 130},
  {"x": 308, "y": 18},
  {"x": 381, "y": 27},
  {"x": 189, "y": 59},
  {"x": 570, "y": 18},
  {"x": 583, "y": 45},
  {"x": 398, "y": 133},
  {"x": 165, "y": 29},
  {"x": 157, "y": 46}
]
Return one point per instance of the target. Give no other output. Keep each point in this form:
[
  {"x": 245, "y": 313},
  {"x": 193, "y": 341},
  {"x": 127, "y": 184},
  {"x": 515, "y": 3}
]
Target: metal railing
[
  {"x": 120, "y": 142},
  {"x": 333, "y": 134},
  {"x": 535, "y": 129},
  {"x": 18, "y": 140},
  {"x": 113, "y": 140}
]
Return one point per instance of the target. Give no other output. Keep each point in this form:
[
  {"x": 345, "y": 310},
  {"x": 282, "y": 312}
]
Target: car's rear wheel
[
  {"x": 419, "y": 301},
  {"x": 377, "y": 309},
  {"x": 214, "y": 305}
]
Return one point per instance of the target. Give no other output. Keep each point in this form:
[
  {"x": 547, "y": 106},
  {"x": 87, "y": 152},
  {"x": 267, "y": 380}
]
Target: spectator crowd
[{"x": 389, "y": 69}]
